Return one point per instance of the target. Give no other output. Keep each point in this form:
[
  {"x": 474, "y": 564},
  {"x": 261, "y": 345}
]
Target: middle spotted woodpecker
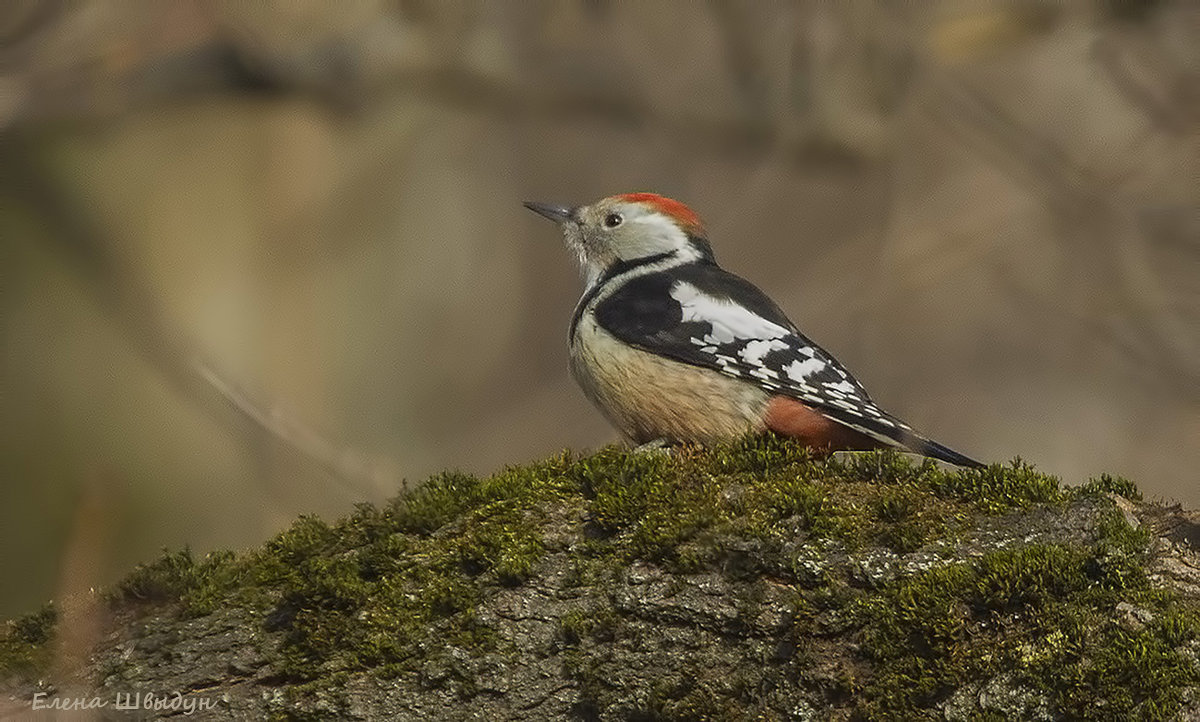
[{"x": 673, "y": 348}]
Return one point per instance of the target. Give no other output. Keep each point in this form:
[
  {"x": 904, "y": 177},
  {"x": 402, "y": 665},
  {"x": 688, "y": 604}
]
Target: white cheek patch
[
  {"x": 656, "y": 234},
  {"x": 729, "y": 321}
]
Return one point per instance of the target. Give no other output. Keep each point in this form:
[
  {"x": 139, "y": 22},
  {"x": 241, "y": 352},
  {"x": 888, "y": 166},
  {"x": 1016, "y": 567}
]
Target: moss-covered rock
[{"x": 745, "y": 582}]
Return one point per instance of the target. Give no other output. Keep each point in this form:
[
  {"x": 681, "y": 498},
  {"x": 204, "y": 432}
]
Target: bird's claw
[{"x": 657, "y": 446}]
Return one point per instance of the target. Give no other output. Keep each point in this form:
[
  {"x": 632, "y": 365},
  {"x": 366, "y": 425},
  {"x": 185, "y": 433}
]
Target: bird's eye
[{"x": 612, "y": 220}]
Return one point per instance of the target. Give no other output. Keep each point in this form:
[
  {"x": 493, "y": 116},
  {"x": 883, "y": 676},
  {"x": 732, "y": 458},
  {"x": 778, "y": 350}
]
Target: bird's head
[{"x": 627, "y": 229}]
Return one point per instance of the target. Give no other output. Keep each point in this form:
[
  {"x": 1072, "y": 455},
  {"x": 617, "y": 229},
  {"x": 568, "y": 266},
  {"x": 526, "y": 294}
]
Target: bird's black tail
[
  {"x": 891, "y": 431},
  {"x": 927, "y": 447}
]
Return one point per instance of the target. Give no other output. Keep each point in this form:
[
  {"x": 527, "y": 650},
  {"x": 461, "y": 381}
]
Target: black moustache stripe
[{"x": 616, "y": 269}]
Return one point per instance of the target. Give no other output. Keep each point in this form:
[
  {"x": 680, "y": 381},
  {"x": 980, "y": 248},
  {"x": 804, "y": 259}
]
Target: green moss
[
  {"x": 199, "y": 586},
  {"x": 908, "y": 519},
  {"x": 1107, "y": 484},
  {"x": 673, "y": 511},
  {"x": 511, "y": 552},
  {"x": 24, "y": 642},
  {"x": 996, "y": 489},
  {"x": 895, "y": 507},
  {"x": 440, "y": 499},
  {"x": 691, "y": 698},
  {"x": 580, "y": 624},
  {"x": 1044, "y": 611},
  {"x": 1120, "y": 553},
  {"x": 1034, "y": 577},
  {"x": 1110, "y": 672},
  {"x": 574, "y": 626},
  {"x": 396, "y": 589}
]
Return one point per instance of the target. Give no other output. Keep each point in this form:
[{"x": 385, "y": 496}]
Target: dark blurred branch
[
  {"x": 21, "y": 22},
  {"x": 222, "y": 66},
  {"x": 478, "y": 93}
]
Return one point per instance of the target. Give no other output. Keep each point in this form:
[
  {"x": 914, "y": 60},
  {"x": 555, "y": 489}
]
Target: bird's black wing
[{"x": 702, "y": 315}]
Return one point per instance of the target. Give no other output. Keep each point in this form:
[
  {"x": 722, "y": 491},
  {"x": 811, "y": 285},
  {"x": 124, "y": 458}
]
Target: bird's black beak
[{"x": 558, "y": 214}]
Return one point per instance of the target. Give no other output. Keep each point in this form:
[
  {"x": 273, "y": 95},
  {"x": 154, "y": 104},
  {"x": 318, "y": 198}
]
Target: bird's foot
[{"x": 657, "y": 446}]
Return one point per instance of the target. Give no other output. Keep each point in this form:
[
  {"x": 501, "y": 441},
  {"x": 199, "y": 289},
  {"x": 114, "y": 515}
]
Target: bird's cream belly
[{"x": 648, "y": 397}]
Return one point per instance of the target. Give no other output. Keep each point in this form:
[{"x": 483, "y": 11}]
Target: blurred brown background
[{"x": 988, "y": 210}]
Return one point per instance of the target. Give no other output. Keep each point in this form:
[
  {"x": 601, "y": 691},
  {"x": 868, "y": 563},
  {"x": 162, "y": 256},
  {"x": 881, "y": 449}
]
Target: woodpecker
[{"x": 673, "y": 348}]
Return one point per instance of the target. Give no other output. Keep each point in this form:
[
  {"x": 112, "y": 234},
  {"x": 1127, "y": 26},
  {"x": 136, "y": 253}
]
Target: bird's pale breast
[{"x": 648, "y": 397}]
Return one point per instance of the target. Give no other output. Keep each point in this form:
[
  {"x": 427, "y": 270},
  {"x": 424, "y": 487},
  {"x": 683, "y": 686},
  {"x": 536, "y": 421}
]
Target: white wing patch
[
  {"x": 753, "y": 352},
  {"x": 738, "y": 342},
  {"x": 729, "y": 321},
  {"x": 799, "y": 371}
]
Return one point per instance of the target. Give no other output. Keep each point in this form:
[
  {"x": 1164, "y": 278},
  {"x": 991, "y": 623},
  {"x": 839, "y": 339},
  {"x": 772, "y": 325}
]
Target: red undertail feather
[{"x": 788, "y": 417}]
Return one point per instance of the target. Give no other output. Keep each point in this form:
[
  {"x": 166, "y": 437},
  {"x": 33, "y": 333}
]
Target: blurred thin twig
[
  {"x": 160, "y": 341},
  {"x": 1088, "y": 220}
]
